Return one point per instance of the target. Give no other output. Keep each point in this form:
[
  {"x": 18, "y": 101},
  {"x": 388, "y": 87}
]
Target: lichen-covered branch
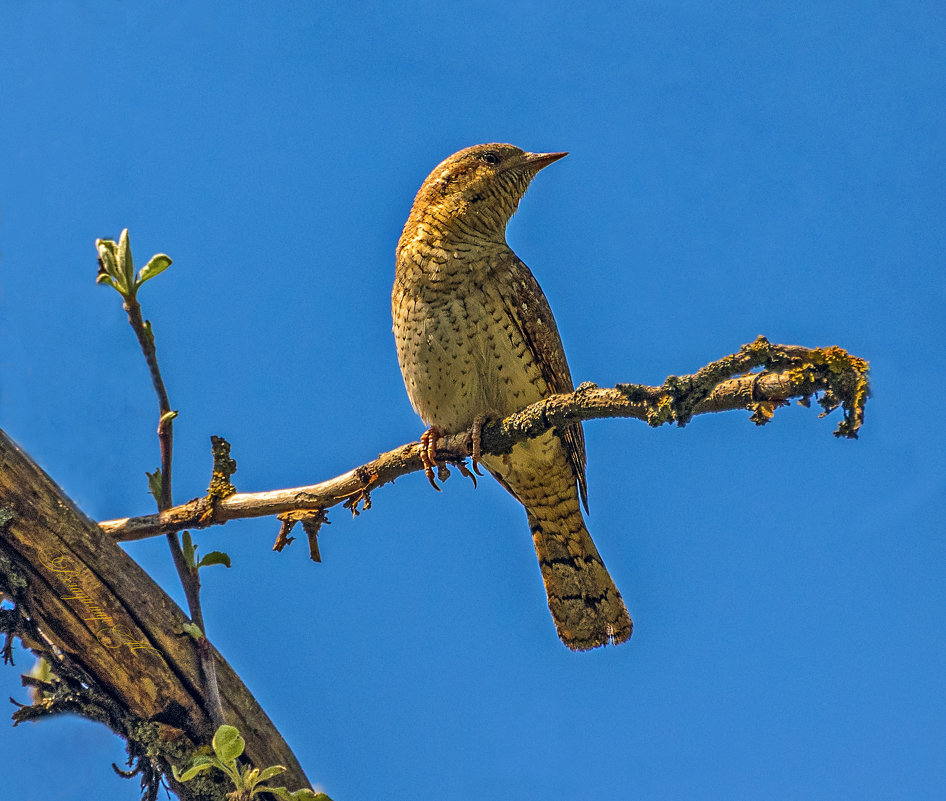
[
  {"x": 115, "y": 641},
  {"x": 759, "y": 378}
]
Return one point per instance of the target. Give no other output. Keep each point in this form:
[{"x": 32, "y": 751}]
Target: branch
[
  {"x": 788, "y": 371},
  {"x": 101, "y": 616}
]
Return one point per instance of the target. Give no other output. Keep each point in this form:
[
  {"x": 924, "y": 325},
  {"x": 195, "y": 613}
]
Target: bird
[{"x": 476, "y": 341}]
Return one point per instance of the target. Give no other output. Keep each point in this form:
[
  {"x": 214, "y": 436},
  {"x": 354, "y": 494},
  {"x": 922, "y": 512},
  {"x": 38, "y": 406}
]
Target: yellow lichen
[{"x": 662, "y": 412}]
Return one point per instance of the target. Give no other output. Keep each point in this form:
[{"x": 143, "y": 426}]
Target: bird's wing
[{"x": 529, "y": 310}]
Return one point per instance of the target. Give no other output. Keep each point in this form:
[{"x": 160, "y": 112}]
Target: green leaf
[
  {"x": 126, "y": 267},
  {"x": 158, "y": 264},
  {"x": 215, "y": 558},
  {"x": 190, "y": 773},
  {"x": 193, "y": 631},
  {"x": 109, "y": 271},
  {"x": 189, "y": 549},
  {"x": 106, "y": 250},
  {"x": 299, "y": 795},
  {"x": 154, "y": 484},
  {"x": 227, "y": 743},
  {"x": 199, "y": 763},
  {"x": 272, "y": 770},
  {"x": 105, "y": 278}
]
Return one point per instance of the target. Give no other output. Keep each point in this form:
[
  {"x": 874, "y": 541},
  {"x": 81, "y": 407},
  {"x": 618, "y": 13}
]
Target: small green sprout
[
  {"x": 117, "y": 269},
  {"x": 248, "y": 781},
  {"x": 190, "y": 555}
]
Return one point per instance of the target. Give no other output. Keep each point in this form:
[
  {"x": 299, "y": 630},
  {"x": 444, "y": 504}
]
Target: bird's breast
[{"x": 460, "y": 353}]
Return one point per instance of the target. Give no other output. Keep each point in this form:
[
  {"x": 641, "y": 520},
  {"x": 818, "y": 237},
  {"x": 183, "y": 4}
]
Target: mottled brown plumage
[{"x": 476, "y": 337}]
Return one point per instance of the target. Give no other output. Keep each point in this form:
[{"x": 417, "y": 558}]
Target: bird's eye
[{"x": 490, "y": 157}]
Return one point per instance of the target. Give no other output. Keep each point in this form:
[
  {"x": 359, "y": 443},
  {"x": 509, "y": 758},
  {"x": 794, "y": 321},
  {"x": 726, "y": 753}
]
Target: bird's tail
[{"x": 585, "y": 603}]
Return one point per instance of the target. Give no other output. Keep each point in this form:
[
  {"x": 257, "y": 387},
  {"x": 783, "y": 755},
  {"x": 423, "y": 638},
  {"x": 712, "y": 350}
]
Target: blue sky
[{"x": 735, "y": 169}]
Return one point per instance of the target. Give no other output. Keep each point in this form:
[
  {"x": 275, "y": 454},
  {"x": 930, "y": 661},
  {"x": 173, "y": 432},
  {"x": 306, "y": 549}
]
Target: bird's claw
[
  {"x": 428, "y": 455},
  {"x": 476, "y": 433},
  {"x": 465, "y": 472}
]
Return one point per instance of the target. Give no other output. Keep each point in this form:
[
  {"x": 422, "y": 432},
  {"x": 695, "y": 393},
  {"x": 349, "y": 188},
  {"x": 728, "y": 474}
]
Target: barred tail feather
[{"x": 585, "y": 603}]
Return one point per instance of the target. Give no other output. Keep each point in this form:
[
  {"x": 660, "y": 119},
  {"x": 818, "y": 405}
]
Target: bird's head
[{"x": 477, "y": 190}]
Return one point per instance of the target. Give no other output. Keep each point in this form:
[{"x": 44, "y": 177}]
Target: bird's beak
[{"x": 536, "y": 161}]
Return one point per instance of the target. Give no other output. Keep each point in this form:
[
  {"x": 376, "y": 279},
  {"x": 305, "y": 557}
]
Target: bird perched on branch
[{"x": 476, "y": 341}]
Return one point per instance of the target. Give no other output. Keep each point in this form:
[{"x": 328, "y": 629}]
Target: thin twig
[{"x": 189, "y": 577}]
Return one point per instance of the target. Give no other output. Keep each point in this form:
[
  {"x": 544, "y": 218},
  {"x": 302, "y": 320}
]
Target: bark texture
[{"x": 88, "y": 603}]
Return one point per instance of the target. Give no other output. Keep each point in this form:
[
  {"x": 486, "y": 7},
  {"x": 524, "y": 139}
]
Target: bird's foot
[
  {"x": 428, "y": 454},
  {"x": 476, "y": 434}
]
